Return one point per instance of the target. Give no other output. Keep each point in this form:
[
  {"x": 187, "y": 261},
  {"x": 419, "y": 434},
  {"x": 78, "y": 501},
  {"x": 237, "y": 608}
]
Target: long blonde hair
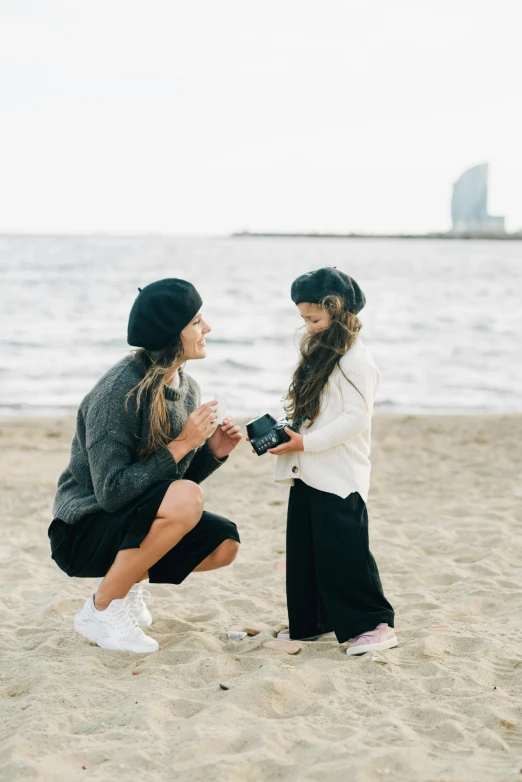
[
  {"x": 150, "y": 390},
  {"x": 320, "y": 354}
]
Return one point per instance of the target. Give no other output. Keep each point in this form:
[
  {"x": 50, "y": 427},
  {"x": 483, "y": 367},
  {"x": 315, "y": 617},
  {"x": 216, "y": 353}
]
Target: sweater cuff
[
  {"x": 203, "y": 464},
  {"x": 166, "y": 463},
  {"x": 210, "y": 459},
  {"x": 310, "y": 443},
  {"x": 214, "y": 458}
]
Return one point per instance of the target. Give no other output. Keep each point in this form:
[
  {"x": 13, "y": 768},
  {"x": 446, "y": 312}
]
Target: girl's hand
[
  {"x": 225, "y": 438},
  {"x": 294, "y": 444}
]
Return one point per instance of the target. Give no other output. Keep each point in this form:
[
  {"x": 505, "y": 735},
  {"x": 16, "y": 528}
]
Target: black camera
[{"x": 265, "y": 432}]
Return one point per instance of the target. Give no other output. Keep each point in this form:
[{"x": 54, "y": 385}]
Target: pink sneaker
[{"x": 383, "y": 637}]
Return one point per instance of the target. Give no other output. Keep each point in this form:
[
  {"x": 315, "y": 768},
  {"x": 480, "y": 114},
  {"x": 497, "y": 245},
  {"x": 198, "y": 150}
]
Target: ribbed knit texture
[
  {"x": 105, "y": 471},
  {"x": 336, "y": 456}
]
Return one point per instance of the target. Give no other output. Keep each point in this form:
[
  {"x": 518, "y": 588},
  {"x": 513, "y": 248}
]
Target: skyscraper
[{"x": 469, "y": 204}]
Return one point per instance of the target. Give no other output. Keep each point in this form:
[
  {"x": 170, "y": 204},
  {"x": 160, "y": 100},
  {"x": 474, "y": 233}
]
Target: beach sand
[{"x": 445, "y": 528}]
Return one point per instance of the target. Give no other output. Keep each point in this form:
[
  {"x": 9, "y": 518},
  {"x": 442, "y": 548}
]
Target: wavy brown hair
[
  {"x": 320, "y": 354},
  {"x": 149, "y": 391}
]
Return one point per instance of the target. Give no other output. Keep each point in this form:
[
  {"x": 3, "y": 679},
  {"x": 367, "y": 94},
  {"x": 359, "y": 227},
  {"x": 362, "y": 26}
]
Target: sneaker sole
[
  {"x": 286, "y": 637},
  {"x": 84, "y": 628},
  {"x": 356, "y": 650}
]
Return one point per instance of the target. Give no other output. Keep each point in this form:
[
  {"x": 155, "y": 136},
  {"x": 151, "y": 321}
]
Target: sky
[{"x": 208, "y": 117}]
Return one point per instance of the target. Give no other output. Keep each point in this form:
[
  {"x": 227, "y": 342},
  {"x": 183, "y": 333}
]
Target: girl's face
[
  {"x": 316, "y": 318},
  {"x": 193, "y": 338}
]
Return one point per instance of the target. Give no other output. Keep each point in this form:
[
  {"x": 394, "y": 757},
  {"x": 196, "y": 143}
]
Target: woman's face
[
  {"x": 193, "y": 338},
  {"x": 316, "y": 318}
]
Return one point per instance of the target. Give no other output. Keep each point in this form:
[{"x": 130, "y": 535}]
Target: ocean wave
[
  {"x": 224, "y": 341},
  {"x": 64, "y": 305},
  {"x": 242, "y": 365}
]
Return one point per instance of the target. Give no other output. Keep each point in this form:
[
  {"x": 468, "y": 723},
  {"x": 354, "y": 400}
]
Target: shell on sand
[
  {"x": 289, "y": 647},
  {"x": 236, "y": 635}
]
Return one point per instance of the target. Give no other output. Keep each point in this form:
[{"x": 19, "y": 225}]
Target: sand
[{"x": 445, "y": 512}]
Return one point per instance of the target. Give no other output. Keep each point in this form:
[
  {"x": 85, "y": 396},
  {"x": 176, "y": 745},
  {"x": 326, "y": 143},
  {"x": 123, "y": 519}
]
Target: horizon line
[{"x": 453, "y": 235}]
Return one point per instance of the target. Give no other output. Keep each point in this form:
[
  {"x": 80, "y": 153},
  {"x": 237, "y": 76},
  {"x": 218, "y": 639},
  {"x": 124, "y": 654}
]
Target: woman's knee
[
  {"x": 225, "y": 553},
  {"x": 183, "y": 504}
]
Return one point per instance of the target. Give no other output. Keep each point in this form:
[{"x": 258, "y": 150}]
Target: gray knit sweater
[{"x": 105, "y": 471}]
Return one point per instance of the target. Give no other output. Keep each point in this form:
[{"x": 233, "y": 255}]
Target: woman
[{"x": 128, "y": 506}]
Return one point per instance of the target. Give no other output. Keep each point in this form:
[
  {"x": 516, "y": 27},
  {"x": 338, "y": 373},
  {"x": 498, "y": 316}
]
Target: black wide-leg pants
[{"x": 332, "y": 580}]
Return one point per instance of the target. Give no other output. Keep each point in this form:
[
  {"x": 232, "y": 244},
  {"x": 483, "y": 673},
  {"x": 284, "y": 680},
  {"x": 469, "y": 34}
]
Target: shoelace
[
  {"x": 123, "y": 619},
  {"x": 136, "y": 598}
]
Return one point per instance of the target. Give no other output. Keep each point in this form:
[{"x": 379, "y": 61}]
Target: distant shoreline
[
  {"x": 261, "y": 234},
  {"x": 449, "y": 235}
]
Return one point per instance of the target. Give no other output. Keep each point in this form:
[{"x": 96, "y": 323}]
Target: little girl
[{"x": 332, "y": 581}]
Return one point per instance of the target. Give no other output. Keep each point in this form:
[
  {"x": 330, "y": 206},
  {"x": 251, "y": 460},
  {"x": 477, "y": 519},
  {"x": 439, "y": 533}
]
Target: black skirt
[
  {"x": 332, "y": 580},
  {"x": 88, "y": 548}
]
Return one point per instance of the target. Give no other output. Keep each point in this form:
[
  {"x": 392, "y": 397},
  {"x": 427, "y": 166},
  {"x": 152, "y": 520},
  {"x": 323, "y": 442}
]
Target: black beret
[
  {"x": 161, "y": 312},
  {"x": 314, "y": 286}
]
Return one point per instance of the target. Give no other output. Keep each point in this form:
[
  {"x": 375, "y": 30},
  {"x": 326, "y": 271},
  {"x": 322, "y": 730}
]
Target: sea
[{"x": 443, "y": 319}]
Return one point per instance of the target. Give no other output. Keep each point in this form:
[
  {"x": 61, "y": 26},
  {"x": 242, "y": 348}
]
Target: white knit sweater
[{"x": 336, "y": 456}]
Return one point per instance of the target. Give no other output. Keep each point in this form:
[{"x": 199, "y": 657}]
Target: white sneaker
[
  {"x": 136, "y": 604},
  {"x": 114, "y": 628}
]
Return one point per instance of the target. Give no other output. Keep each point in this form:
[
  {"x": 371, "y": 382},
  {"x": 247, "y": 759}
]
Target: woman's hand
[
  {"x": 294, "y": 444},
  {"x": 225, "y": 438},
  {"x": 199, "y": 426}
]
